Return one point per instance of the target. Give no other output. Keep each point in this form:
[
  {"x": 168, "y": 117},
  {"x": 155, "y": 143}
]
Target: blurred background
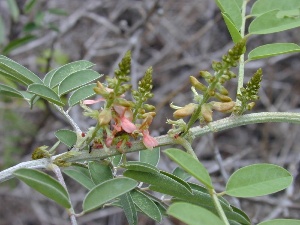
[{"x": 178, "y": 39}]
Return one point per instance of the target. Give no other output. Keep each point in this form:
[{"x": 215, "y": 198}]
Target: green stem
[
  {"x": 61, "y": 180},
  {"x": 242, "y": 58},
  {"x": 205, "y": 98},
  {"x": 218, "y": 206},
  {"x": 187, "y": 145},
  {"x": 216, "y": 126}
]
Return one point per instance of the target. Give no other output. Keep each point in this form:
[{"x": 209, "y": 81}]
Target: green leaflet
[
  {"x": 18, "y": 71},
  {"x": 68, "y": 137},
  {"x": 129, "y": 208},
  {"x": 190, "y": 165},
  {"x": 107, "y": 191},
  {"x": 100, "y": 172},
  {"x": 150, "y": 156},
  {"x": 46, "y": 93},
  {"x": 257, "y": 180},
  {"x": 269, "y": 50},
  {"x": 81, "y": 94},
  {"x": 44, "y": 184},
  {"x": 234, "y": 32},
  {"x": 76, "y": 80},
  {"x": 9, "y": 91},
  {"x": 146, "y": 205},
  {"x": 272, "y": 22},
  {"x": 81, "y": 175},
  {"x": 262, "y": 6},
  {"x": 140, "y": 166},
  {"x": 192, "y": 214},
  {"x": 61, "y": 73}
]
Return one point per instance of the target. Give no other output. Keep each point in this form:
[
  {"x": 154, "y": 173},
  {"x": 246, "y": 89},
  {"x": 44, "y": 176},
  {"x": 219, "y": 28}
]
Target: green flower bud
[
  {"x": 205, "y": 74},
  {"x": 123, "y": 102},
  {"x": 149, "y": 107}
]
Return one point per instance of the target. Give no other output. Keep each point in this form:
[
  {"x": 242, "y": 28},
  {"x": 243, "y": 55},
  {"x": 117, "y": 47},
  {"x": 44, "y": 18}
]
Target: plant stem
[
  {"x": 61, "y": 180},
  {"x": 218, "y": 206},
  {"x": 216, "y": 126},
  {"x": 187, "y": 145},
  {"x": 69, "y": 118},
  {"x": 242, "y": 58}
]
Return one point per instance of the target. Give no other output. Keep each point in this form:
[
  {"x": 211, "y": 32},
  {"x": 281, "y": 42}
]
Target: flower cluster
[
  {"x": 120, "y": 119},
  {"x": 202, "y": 108},
  {"x": 249, "y": 93}
]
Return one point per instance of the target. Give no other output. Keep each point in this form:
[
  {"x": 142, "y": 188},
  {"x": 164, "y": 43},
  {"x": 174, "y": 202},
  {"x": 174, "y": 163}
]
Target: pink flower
[
  {"x": 126, "y": 117},
  {"x": 91, "y": 102},
  {"x": 148, "y": 140}
]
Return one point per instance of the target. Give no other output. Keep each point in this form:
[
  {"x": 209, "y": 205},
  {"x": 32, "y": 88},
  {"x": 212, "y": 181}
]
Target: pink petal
[
  {"x": 109, "y": 141},
  {"x": 90, "y": 102},
  {"x": 127, "y": 125},
  {"x": 119, "y": 109},
  {"x": 148, "y": 140}
]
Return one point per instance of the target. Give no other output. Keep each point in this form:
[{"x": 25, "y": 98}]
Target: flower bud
[
  {"x": 250, "y": 105},
  {"x": 104, "y": 117},
  {"x": 223, "y": 98},
  {"x": 198, "y": 85},
  {"x": 206, "y": 112},
  {"x": 222, "y": 89},
  {"x": 187, "y": 110},
  {"x": 223, "y": 106},
  {"x": 205, "y": 74},
  {"x": 123, "y": 102},
  {"x": 101, "y": 90},
  {"x": 149, "y": 107}
]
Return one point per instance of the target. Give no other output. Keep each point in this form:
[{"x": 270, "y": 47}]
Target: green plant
[{"x": 122, "y": 126}]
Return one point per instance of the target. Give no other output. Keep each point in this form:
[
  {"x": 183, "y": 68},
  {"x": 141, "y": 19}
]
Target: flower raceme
[{"x": 122, "y": 120}]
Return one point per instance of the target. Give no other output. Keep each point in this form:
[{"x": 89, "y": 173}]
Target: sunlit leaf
[
  {"x": 46, "y": 93},
  {"x": 150, "y": 156},
  {"x": 272, "y": 22},
  {"x": 66, "y": 70},
  {"x": 269, "y": 50},
  {"x": 263, "y": 6},
  {"x": 81, "y": 175},
  {"x": 81, "y": 94},
  {"x": 190, "y": 165},
  {"x": 107, "y": 191},
  {"x": 234, "y": 32},
  {"x": 67, "y": 137},
  {"x": 129, "y": 208},
  {"x": 232, "y": 9},
  {"x": 257, "y": 180},
  {"x": 146, "y": 205},
  {"x": 44, "y": 184},
  {"x": 193, "y": 215},
  {"x": 76, "y": 80}
]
